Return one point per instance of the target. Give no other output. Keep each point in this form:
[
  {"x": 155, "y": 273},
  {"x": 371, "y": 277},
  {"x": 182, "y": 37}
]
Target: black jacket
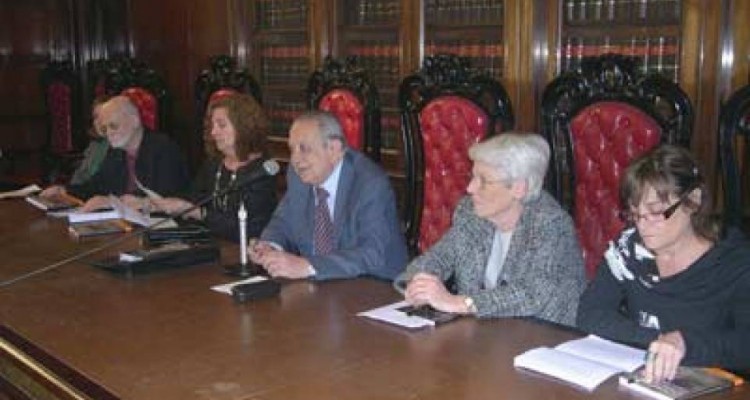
[
  {"x": 709, "y": 303},
  {"x": 160, "y": 166},
  {"x": 259, "y": 196}
]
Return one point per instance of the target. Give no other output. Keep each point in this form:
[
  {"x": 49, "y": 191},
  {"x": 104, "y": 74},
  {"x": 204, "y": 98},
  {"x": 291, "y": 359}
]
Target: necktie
[{"x": 323, "y": 234}]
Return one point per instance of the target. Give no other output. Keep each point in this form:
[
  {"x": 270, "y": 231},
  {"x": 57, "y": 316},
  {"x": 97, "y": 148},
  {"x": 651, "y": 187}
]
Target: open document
[
  {"x": 403, "y": 314},
  {"x": 585, "y": 362}
]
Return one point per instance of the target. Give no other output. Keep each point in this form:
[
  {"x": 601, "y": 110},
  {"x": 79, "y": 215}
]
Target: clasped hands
[
  {"x": 277, "y": 262},
  {"x": 428, "y": 289}
]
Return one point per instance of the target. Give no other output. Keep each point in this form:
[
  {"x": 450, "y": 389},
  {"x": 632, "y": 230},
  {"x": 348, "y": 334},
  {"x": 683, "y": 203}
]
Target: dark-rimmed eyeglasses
[{"x": 655, "y": 216}]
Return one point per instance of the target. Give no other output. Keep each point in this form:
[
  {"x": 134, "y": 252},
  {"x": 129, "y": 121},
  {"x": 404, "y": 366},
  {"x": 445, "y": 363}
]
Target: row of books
[
  {"x": 656, "y": 54},
  {"x": 468, "y": 12},
  {"x": 283, "y": 71},
  {"x": 486, "y": 56},
  {"x": 367, "y": 12},
  {"x": 623, "y": 11},
  {"x": 281, "y": 13},
  {"x": 282, "y": 113}
]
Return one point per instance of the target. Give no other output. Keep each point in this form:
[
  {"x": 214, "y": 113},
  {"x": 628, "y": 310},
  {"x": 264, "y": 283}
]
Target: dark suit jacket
[
  {"x": 160, "y": 166},
  {"x": 367, "y": 234}
]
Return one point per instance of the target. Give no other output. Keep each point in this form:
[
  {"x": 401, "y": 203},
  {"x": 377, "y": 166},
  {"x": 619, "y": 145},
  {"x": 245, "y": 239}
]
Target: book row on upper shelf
[
  {"x": 655, "y": 54},
  {"x": 280, "y": 13},
  {"x": 470, "y": 12},
  {"x": 366, "y": 12},
  {"x": 622, "y": 11},
  {"x": 285, "y": 72}
]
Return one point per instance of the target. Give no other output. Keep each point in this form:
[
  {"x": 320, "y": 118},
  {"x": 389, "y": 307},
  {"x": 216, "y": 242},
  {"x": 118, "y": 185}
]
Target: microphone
[
  {"x": 270, "y": 167},
  {"x": 243, "y": 270}
]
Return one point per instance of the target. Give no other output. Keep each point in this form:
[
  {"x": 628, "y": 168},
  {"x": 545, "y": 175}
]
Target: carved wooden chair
[
  {"x": 64, "y": 140},
  {"x": 222, "y": 78},
  {"x": 446, "y": 107},
  {"x": 344, "y": 89},
  {"x": 145, "y": 88},
  {"x": 734, "y": 156},
  {"x": 598, "y": 120}
]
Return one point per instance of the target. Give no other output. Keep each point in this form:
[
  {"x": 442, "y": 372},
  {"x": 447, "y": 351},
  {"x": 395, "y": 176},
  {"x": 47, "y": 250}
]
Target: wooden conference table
[{"x": 81, "y": 331}]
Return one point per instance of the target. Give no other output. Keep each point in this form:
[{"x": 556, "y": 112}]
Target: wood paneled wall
[
  {"x": 178, "y": 37},
  {"x": 31, "y": 33}
]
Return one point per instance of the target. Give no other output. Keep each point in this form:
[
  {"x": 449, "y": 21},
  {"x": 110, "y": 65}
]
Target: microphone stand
[
  {"x": 242, "y": 270},
  {"x": 118, "y": 240}
]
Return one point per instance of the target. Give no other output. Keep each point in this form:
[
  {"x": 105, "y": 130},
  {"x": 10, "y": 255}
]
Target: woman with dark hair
[
  {"x": 670, "y": 283},
  {"x": 235, "y": 137}
]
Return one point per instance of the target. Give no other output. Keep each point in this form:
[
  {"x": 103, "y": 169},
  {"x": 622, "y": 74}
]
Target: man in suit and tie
[{"x": 338, "y": 218}]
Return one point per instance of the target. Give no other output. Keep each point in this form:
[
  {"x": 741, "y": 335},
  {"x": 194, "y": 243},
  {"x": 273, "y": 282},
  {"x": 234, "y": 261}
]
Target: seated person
[
  {"x": 338, "y": 217},
  {"x": 235, "y": 138},
  {"x": 97, "y": 148},
  {"x": 511, "y": 249},
  {"x": 669, "y": 282},
  {"x": 149, "y": 157}
]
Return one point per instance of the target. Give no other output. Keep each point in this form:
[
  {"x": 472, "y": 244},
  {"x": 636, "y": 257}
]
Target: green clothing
[{"x": 92, "y": 159}]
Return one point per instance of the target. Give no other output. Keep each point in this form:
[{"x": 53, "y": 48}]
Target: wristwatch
[{"x": 470, "y": 306}]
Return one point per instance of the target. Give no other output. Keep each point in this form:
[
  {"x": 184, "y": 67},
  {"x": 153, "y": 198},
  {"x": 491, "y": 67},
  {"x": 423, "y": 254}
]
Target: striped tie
[{"x": 323, "y": 234}]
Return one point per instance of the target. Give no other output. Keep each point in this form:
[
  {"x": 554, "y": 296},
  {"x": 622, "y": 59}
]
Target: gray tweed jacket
[{"x": 543, "y": 274}]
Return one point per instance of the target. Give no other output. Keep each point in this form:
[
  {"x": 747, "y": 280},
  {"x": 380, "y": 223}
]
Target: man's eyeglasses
[{"x": 655, "y": 216}]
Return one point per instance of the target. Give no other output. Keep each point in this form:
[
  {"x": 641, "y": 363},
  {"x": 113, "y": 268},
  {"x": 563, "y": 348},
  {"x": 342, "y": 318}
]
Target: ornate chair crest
[
  {"x": 734, "y": 155},
  {"x": 144, "y": 87},
  {"x": 598, "y": 120},
  {"x": 446, "y": 107},
  {"x": 222, "y": 78},
  {"x": 345, "y": 90}
]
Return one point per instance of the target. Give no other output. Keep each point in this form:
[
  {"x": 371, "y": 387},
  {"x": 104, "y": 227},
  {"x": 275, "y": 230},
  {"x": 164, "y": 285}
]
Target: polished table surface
[{"x": 167, "y": 336}]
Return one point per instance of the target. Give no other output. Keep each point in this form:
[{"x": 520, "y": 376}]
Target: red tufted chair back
[
  {"x": 607, "y": 136},
  {"x": 220, "y": 94},
  {"x": 59, "y": 104},
  {"x": 449, "y": 126},
  {"x": 350, "y": 113},
  {"x": 734, "y": 156},
  {"x": 143, "y": 87},
  {"x": 344, "y": 90},
  {"x": 148, "y": 107},
  {"x": 446, "y": 107},
  {"x": 598, "y": 120},
  {"x": 64, "y": 134}
]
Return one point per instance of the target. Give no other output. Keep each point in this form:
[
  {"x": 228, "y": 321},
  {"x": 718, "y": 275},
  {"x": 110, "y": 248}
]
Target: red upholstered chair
[
  {"x": 144, "y": 87},
  {"x": 62, "y": 97},
  {"x": 598, "y": 120},
  {"x": 446, "y": 107},
  {"x": 344, "y": 89},
  {"x": 734, "y": 155}
]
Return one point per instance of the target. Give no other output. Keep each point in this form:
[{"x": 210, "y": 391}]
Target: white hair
[
  {"x": 328, "y": 125},
  {"x": 516, "y": 155}
]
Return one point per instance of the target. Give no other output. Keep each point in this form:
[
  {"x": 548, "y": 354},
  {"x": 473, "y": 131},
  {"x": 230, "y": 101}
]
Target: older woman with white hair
[{"x": 512, "y": 250}]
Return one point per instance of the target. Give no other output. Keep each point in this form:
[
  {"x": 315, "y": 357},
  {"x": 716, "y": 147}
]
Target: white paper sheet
[
  {"x": 227, "y": 287},
  {"x": 392, "y": 315}
]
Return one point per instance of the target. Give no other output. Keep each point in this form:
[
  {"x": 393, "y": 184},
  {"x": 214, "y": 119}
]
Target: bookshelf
[
  {"x": 281, "y": 41},
  {"x": 468, "y": 28},
  {"x": 371, "y": 30},
  {"x": 650, "y": 30}
]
